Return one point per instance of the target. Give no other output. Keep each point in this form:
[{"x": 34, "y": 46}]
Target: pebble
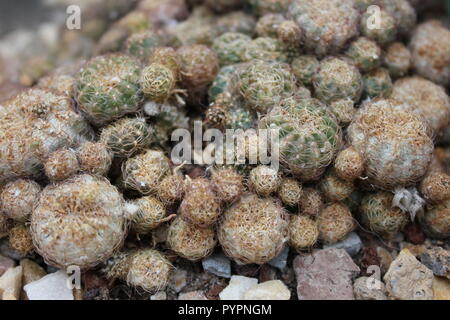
[
  {"x": 408, "y": 279},
  {"x": 414, "y": 234},
  {"x": 437, "y": 260},
  {"x": 352, "y": 244},
  {"x": 385, "y": 259},
  {"x": 237, "y": 288},
  {"x": 366, "y": 288},
  {"x": 218, "y": 264},
  {"x": 51, "y": 287},
  {"x": 280, "y": 261},
  {"x": 5, "y": 264},
  {"x": 6, "y": 250},
  {"x": 192, "y": 295},
  {"x": 11, "y": 284},
  {"x": 161, "y": 295},
  {"x": 178, "y": 280},
  {"x": 269, "y": 290},
  {"x": 325, "y": 275},
  {"x": 441, "y": 289},
  {"x": 247, "y": 270},
  {"x": 267, "y": 273},
  {"x": 31, "y": 272}
]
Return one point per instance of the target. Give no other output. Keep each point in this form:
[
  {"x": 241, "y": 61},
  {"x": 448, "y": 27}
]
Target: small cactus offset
[
  {"x": 264, "y": 85},
  {"x": 378, "y": 214},
  {"x": 126, "y": 136},
  {"x": 145, "y": 171},
  {"x": 395, "y": 143},
  {"x": 253, "y": 230}
]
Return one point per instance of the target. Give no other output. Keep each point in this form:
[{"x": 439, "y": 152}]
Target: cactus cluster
[{"x": 359, "y": 138}]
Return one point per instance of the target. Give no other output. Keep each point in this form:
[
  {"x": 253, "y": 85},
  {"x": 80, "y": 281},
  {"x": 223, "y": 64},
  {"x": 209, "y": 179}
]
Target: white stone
[
  {"x": 51, "y": 287},
  {"x": 178, "y": 280},
  {"x": 269, "y": 290},
  {"x": 11, "y": 284},
  {"x": 161, "y": 295},
  {"x": 237, "y": 288}
]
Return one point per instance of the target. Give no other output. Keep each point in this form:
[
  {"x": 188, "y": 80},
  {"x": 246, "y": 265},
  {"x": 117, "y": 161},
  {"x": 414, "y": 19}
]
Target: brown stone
[
  {"x": 441, "y": 289},
  {"x": 267, "y": 273},
  {"x": 247, "y": 270},
  {"x": 5, "y": 264},
  {"x": 408, "y": 279},
  {"x": 414, "y": 234},
  {"x": 213, "y": 293}
]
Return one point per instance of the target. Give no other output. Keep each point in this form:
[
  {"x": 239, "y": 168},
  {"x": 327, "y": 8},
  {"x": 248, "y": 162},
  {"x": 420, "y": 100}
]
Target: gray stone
[
  {"x": 237, "y": 288},
  {"x": 325, "y": 275},
  {"x": 280, "y": 261},
  {"x": 5, "y": 264},
  {"x": 218, "y": 264},
  {"x": 51, "y": 287},
  {"x": 408, "y": 279},
  {"x": 437, "y": 260},
  {"x": 269, "y": 290},
  {"x": 366, "y": 288},
  {"x": 352, "y": 244},
  {"x": 6, "y": 250}
]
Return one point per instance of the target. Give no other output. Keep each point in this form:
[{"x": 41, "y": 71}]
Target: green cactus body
[
  {"x": 304, "y": 68},
  {"x": 261, "y": 7},
  {"x": 385, "y": 33},
  {"x": 126, "y": 136},
  {"x": 142, "y": 45},
  {"x": 309, "y": 136},
  {"x": 263, "y": 85},
  {"x": 377, "y": 83},
  {"x": 236, "y": 21},
  {"x": 266, "y": 49},
  {"x": 337, "y": 79},
  {"x": 223, "y": 81},
  {"x": 365, "y": 53},
  {"x": 268, "y": 25},
  {"x": 108, "y": 88},
  {"x": 165, "y": 118},
  {"x": 230, "y": 47}
]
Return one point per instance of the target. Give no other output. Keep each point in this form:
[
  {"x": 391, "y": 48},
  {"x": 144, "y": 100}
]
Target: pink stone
[{"x": 325, "y": 275}]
